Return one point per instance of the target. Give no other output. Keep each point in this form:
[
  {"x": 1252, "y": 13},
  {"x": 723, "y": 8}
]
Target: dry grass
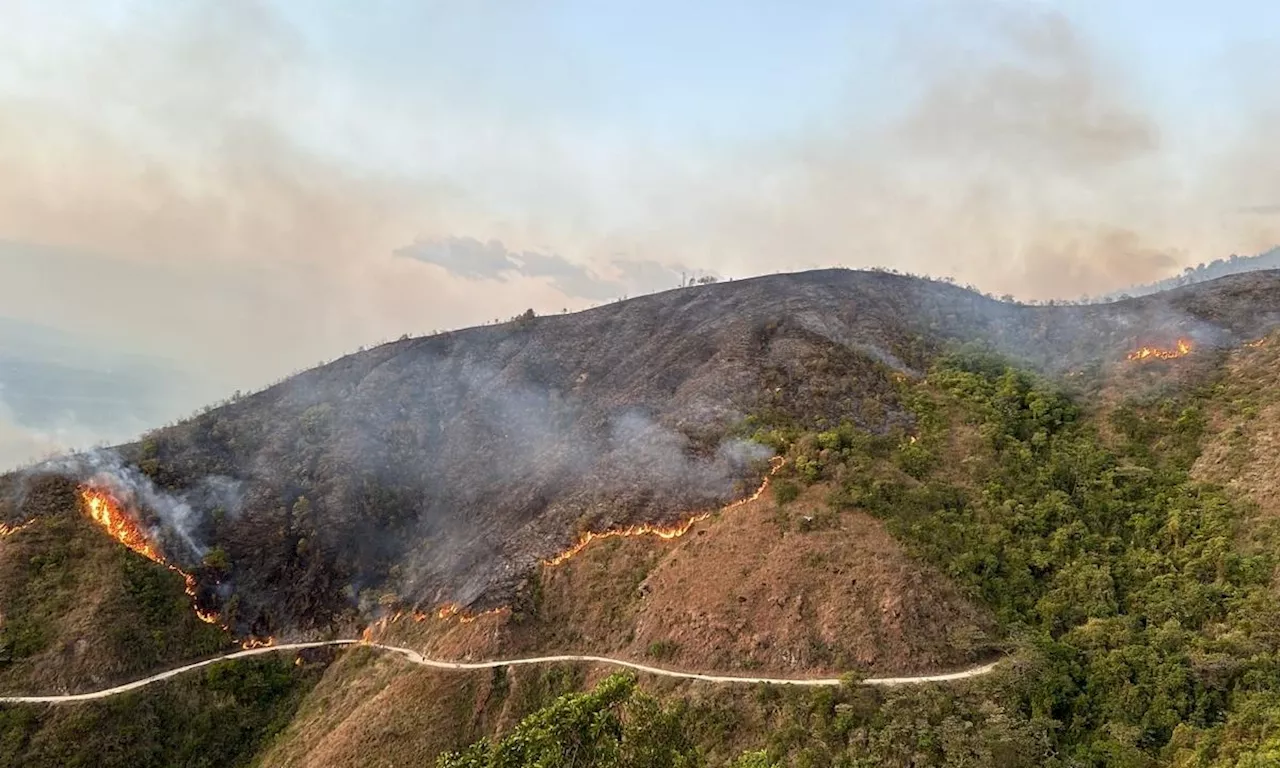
[
  {"x": 786, "y": 590},
  {"x": 375, "y": 710},
  {"x": 1245, "y": 427}
]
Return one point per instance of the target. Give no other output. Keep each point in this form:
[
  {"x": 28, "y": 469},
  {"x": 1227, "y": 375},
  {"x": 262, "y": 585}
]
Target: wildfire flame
[
  {"x": 445, "y": 611},
  {"x": 1256, "y": 342},
  {"x": 104, "y": 510},
  {"x": 1183, "y": 347},
  {"x": 450, "y": 610},
  {"x": 664, "y": 532},
  {"x": 8, "y": 530}
]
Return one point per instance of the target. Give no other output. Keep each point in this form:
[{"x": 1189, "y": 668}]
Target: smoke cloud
[
  {"x": 644, "y": 454},
  {"x": 1023, "y": 162},
  {"x": 180, "y": 515}
]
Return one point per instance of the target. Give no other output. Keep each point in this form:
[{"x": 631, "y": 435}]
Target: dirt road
[{"x": 417, "y": 658}]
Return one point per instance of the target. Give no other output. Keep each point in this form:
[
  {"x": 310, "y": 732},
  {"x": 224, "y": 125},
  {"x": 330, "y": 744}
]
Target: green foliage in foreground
[
  {"x": 611, "y": 726},
  {"x": 220, "y": 717}
]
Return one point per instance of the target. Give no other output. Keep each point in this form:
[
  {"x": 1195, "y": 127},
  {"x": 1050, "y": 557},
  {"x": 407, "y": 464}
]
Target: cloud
[
  {"x": 468, "y": 258},
  {"x": 464, "y": 257}
]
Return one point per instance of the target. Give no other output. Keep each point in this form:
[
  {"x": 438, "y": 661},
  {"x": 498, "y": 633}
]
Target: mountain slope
[
  {"x": 1201, "y": 272},
  {"x": 441, "y": 469},
  {"x": 973, "y": 503}
]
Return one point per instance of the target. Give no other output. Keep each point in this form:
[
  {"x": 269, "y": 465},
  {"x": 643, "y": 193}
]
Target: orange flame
[
  {"x": 104, "y": 510},
  {"x": 1256, "y": 342},
  {"x": 258, "y": 642},
  {"x": 8, "y": 530},
  {"x": 664, "y": 532},
  {"x": 449, "y": 610},
  {"x": 445, "y": 611},
  {"x": 1182, "y": 348}
]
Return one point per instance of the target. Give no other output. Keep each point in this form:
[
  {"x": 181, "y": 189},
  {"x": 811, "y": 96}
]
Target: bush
[
  {"x": 662, "y": 649},
  {"x": 785, "y": 492}
]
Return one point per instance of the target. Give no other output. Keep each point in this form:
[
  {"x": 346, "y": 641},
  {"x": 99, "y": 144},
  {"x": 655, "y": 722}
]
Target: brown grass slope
[
  {"x": 785, "y": 591},
  {"x": 1242, "y": 453},
  {"x": 377, "y": 711},
  {"x": 444, "y": 468}
]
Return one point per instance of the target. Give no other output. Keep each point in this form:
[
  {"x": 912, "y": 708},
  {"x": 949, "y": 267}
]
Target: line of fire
[{"x": 105, "y": 510}]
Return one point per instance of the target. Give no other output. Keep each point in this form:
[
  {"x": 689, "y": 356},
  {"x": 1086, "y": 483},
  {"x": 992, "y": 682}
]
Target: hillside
[
  {"x": 1102, "y": 523},
  {"x": 442, "y": 469},
  {"x": 765, "y": 588}
]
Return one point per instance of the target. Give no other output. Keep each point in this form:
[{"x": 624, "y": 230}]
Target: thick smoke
[
  {"x": 1023, "y": 159},
  {"x": 179, "y": 515},
  {"x": 511, "y": 461},
  {"x": 643, "y": 452}
]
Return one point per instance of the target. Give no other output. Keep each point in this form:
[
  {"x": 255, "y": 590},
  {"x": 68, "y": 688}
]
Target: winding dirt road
[{"x": 417, "y": 658}]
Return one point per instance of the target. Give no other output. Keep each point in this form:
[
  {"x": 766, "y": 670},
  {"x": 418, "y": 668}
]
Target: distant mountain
[
  {"x": 1233, "y": 265},
  {"x": 60, "y": 390}
]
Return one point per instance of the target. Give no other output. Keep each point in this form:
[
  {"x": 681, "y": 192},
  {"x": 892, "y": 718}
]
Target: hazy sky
[{"x": 244, "y": 188}]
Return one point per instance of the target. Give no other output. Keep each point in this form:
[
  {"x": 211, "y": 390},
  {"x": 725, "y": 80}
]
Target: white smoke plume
[{"x": 179, "y": 514}]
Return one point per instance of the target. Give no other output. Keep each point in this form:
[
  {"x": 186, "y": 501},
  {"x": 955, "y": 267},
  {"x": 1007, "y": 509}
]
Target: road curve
[{"x": 417, "y": 658}]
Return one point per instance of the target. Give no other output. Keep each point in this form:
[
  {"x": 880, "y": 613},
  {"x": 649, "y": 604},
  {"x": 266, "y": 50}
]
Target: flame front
[
  {"x": 104, "y": 510},
  {"x": 666, "y": 532},
  {"x": 450, "y": 610},
  {"x": 1182, "y": 348},
  {"x": 8, "y": 530}
]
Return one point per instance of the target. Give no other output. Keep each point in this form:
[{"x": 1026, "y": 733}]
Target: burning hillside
[
  {"x": 104, "y": 510},
  {"x": 667, "y": 532},
  {"x": 443, "y": 466},
  {"x": 8, "y": 530},
  {"x": 1182, "y": 348}
]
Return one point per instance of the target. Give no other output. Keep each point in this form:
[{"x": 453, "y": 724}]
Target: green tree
[{"x": 611, "y": 726}]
